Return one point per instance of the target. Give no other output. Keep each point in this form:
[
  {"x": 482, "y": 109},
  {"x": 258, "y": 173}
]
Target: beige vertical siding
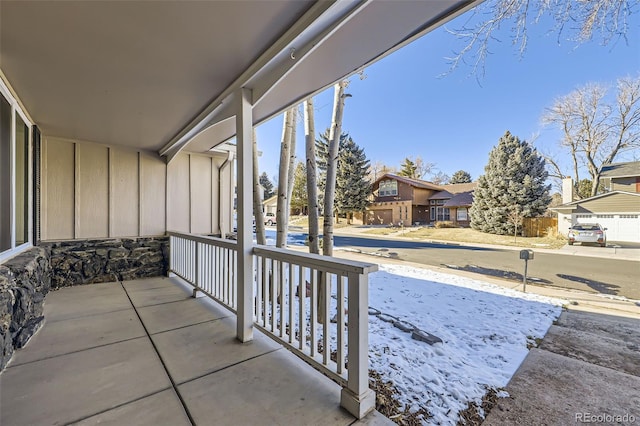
[
  {"x": 178, "y": 214},
  {"x": 92, "y": 190},
  {"x": 200, "y": 174},
  {"x": 153, "y": 188},
  {"x": 58, "y": 189},
  {"x": 95, "y": 191},
  {"x": 124, "y": 193}
]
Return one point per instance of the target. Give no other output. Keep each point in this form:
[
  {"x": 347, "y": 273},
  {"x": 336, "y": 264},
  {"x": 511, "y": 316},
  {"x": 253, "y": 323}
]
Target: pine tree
[
  {"x": 299, "y": 199},
  {"x": 460, "y": 177},
  {"x": 408, "y": 169},
  {"x": 322, "y": 151},
  {"x": 514, "y": 176},
  {"x": 352, "y": 185},
  {"x": 267, "y": 186}
]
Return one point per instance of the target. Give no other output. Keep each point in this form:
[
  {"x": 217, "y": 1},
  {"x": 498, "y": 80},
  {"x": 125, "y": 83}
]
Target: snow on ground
[{"x": 485, "y": 329}]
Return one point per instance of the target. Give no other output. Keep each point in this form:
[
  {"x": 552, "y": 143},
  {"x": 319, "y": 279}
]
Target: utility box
[{"x": 526, "y": 254}]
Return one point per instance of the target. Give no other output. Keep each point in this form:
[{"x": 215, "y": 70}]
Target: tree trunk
[
  {"x": 292, "y": 159},
  {"x": 283, "y": 178},
  {"x": 332, "y": 165},
  {"x": 329, "y": 195},
  {"x": 257, "y": 198},
  {"x": 312, "y": 188}
]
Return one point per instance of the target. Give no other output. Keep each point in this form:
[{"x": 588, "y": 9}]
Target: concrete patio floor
[{"x": 146, "y": 353}]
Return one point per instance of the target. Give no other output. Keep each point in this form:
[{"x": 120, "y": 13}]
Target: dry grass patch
[
  {"x": 467, "y": 235},
  {"x": 383, "y": 230}
]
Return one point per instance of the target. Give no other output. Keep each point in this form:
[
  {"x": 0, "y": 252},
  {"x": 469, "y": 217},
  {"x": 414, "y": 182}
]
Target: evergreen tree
[
  {"x": 514, "y": 176},
  {"x": 460, "y": 177},
  {"x": 408, "y": 169},
  {"x": 299, "y": 199},
  {"x": 267, "y": 186},
  {"x": 352, "y": 185},
  {"x": 322, "y": 151}
]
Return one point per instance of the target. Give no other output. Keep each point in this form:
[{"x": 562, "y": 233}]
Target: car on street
[
  {"x": 588, "y": 233},
  {"x": 269, "y": 219}
]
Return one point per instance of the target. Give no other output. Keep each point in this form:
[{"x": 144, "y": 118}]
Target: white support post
[
  {"x": 357, "y": 398},
  {"x": 244, "y": 147}
]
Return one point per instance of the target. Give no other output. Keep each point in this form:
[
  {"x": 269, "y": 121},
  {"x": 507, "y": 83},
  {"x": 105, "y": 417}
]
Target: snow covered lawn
[{"x": 485, "y": 330}]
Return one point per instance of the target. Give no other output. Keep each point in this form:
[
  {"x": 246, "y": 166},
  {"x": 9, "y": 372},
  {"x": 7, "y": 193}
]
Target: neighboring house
[
  {"x": 270, "y": 205},
  {"x": 402, "y": 200},
  {"x": 618, "y": 209}
]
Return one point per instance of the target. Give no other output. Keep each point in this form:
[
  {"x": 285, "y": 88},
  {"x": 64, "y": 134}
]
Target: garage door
[
  {"x": 379, "y": 217},
  {"x": 620, "y": 227}
]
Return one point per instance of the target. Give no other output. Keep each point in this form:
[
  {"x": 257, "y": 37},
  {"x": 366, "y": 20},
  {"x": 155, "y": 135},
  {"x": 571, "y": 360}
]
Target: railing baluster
[
  {"x": 340, "y": 325},
  {"x": 302, "y": 315},
  {"x": 326, "y": 350},
  {"x": 292, "y": 293},
  {"x": 314, "y": 311}
]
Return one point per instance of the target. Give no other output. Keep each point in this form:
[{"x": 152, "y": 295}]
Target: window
[
  {"x": 388, "y": 188},
  {"x": 461, "y": 214},
  {"x": 443, "y": 213},
  {"x": 14, "y": 176}
]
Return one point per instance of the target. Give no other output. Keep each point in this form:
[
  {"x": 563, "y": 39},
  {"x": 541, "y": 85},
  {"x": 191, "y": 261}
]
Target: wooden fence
[{"x": 539, "y": 226}]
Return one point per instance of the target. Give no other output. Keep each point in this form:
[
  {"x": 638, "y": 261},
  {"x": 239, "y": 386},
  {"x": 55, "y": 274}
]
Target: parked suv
[
  {"x": 588, "y": 233},
  {"x": 269, "y": 219}
]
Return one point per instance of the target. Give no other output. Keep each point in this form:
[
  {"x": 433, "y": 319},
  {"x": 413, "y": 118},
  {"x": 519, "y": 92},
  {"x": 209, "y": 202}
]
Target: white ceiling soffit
[
  {"x": 336, "y": 45},
  {"x": 134, "y": 73}
]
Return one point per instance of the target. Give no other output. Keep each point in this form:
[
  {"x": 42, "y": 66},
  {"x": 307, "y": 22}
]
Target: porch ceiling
[{"x": 159, "y": 75}]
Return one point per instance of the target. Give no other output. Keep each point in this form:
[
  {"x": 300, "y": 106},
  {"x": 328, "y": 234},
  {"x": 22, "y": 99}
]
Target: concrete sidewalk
[
  {"x": 145, "y": 353},
  {"x": 587, "y": 370}
]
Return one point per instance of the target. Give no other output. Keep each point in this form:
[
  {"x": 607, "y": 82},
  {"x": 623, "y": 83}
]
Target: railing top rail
[
  {"x": 205, "y": 239},
  {"x": 342, "y": 266}
]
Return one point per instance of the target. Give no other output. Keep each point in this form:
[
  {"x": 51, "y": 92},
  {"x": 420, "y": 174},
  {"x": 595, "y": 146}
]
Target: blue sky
[{"x": 405, "y": 107}]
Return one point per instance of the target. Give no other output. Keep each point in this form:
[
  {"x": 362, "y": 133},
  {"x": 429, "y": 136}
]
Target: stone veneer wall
[
  {"x": 76, "y": 262},
  {"x": 24, "y": 281},
  {"x": 28, "y": 277}
]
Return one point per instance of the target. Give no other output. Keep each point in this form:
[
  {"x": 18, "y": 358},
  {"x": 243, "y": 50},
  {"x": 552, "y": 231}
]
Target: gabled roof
[
  {"x": 416, "y": 183},
  {"x": 270, "y": 199},
  {"x": 441, "y": 195},
  {"x": 456, "y": 188},
  {"x": 462, "y": 199},
  {"x": 573, "y": 204},
  {"x": 619, "y": 170}
]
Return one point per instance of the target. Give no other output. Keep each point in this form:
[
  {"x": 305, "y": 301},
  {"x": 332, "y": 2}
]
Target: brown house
[{"x": 402, "y": 200}]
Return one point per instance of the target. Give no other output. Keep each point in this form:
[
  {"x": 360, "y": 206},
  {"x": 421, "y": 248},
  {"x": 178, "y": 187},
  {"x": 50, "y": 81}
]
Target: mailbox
[{"x": 526, "y": 254}]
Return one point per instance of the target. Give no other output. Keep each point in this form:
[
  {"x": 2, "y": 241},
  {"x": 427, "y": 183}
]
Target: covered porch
[{"x": 146, "y": 352}]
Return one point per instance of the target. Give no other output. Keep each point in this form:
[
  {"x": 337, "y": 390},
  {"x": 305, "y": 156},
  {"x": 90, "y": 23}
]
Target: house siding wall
[
  {"x": 616, "y": 203},
  {"x": 98, "y": 191},
  {"x": 630, "y": 184}
]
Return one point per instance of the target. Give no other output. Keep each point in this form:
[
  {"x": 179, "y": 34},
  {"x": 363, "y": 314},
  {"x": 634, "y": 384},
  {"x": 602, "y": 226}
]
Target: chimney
[{"x": 568, "y": 191}]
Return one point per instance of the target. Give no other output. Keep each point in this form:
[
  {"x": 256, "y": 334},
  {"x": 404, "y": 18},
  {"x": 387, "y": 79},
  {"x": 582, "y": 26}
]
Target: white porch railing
[
  {"x": 292, "y": 292},
  {"x": 208, "y": 264}
]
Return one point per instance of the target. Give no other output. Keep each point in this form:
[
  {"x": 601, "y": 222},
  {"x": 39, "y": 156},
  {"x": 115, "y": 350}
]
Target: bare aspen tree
[
  {"x": 332, "y": 165},
  {"x": 258, "y": 214},
  {"x": 292, "y": 159},
  {"x": 312, "y": 188},
  {"x": 283, "y": 179}
]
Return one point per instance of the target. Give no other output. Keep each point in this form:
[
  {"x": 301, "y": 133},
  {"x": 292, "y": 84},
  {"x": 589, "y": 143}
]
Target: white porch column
[{"x": 244, "y": 124}]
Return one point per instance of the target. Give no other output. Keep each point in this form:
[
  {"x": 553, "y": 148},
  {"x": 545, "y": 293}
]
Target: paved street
[{"x": 592, "y": 274}]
